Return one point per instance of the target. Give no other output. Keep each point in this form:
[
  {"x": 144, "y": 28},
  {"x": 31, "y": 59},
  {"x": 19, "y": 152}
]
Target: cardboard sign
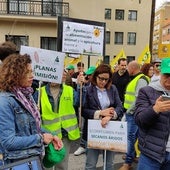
[{"x": 113, "y": 137}]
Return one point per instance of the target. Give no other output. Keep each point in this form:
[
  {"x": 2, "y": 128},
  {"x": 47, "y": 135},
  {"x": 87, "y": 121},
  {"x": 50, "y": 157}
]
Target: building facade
[
  {"x": 161, "y": 22},
  {"x": 166, "y": 32},
  {"x": 35, "y": 23}
]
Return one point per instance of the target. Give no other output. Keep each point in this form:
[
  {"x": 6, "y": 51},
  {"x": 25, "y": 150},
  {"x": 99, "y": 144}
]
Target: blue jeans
[
  {"x": 132, "y": 132},
  {"x": 83, "y": 143},
  {"x": 150, "y": 164},
  {"x": 92, "y": 158}
]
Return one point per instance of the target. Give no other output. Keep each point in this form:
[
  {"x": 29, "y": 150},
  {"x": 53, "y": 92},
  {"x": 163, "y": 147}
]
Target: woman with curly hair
[{"x": 21, "y": 136}]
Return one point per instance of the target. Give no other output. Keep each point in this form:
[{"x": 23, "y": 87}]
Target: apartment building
[
  {"x": 35, "y": 23},
  {"x": 166, "y": 32},
  {"x": 161, "y": 22}
]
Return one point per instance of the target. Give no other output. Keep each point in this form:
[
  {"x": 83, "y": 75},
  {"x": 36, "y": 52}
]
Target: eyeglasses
[
  {"x": 166, "y": 74},
  {"x": 157, "y": 65},
  {"x": 103, "y": 79}
]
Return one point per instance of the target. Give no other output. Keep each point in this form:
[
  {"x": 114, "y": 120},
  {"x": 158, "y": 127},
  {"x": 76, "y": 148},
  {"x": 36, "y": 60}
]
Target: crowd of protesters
[{"x": 136, "y": 94}]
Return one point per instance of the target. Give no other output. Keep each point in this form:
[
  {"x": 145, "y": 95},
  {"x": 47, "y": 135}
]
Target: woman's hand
[
  {"x": 107, "y": 112},
  {"x": 47, "y": 138},
  {"x": 57, "y": 142},
  {"x": 105, "y": 121}
]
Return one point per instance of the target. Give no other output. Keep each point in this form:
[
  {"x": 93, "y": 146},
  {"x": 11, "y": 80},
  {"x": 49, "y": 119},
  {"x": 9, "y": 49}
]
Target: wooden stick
[{"x": 39, "y": 94}]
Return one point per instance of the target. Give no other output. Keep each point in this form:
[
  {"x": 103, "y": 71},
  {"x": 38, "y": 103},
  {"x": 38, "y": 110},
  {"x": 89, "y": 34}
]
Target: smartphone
[{"x": 165, "y": 97}]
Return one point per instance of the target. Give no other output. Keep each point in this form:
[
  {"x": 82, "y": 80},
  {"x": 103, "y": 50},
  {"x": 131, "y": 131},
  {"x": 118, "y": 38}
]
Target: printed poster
[{"x": 82, "y": 38}]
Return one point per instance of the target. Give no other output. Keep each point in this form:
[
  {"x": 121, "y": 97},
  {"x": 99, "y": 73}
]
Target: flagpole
[
  {"x": 39, "y": 94},
  {"x": 80, "y": 108},
  {"x": 88, "y": 61}
]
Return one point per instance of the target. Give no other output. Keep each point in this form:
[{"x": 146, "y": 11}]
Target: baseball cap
[
  {"x": 70, "y": 67},
  {"x": 90, "y": 70},
  {"x": 157, "y": 60},
  {"x": 165, "y": 66},
  {"x": 53, "y": 156}
]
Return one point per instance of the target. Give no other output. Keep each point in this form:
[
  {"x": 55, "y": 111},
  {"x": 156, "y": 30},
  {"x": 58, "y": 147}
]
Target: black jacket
[
  {"x": 92, "y": 103},
  {"x": 154, "y": 128}
]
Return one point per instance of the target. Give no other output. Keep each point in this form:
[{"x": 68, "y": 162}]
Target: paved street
[{"x": 78, "y": 162}]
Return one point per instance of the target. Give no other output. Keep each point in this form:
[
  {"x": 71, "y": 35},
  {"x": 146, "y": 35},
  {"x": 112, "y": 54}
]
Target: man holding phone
[
  {"x": 152, "y": 115},
  {"x": 165, "y": 97}
]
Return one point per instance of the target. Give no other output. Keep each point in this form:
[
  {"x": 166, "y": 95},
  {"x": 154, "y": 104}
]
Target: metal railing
[{"x": 34, "y": 8}]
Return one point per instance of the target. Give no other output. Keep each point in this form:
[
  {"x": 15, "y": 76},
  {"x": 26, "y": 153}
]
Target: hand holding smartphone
[{"x": 165, "y": 97}]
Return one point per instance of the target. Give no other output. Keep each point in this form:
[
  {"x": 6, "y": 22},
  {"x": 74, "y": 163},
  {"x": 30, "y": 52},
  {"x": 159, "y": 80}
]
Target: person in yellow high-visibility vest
[
  {"x": 148, "y": 70},
  {"x": 58, "y": 115},
  {"x": 139, "y": 80}
]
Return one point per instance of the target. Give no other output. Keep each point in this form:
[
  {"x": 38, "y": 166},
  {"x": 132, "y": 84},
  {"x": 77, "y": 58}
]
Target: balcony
[{"x": 32, "y": 8}]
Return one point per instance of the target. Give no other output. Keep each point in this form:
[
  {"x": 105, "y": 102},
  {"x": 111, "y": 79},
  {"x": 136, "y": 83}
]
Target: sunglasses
[{"x": 102, "y": 78}]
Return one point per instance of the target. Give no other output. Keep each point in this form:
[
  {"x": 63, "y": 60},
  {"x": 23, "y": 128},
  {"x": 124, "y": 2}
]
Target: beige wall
[
  {"x": 35, "y": 31},
  {"x": 94, "y": 10},
  {"x": 35, "y": 27}
]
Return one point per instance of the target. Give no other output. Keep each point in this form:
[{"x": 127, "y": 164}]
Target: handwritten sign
[
  {"x": 48, "y": 65},
  {"x": 113, "y": 137}
]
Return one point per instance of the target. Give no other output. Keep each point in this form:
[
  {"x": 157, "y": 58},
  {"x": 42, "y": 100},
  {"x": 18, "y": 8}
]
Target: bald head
[{"x": 133, "y": 68}]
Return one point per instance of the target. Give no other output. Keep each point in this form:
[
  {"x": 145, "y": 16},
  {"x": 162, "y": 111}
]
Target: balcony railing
[{"x": 34, "y": 8}]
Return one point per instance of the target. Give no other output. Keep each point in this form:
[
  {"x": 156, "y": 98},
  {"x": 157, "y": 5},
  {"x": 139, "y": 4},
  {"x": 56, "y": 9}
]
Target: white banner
[
  {"x": 48, "y": 65},
  {"x": 82, "y": 38},
  {"x": 113, "y": 137}
]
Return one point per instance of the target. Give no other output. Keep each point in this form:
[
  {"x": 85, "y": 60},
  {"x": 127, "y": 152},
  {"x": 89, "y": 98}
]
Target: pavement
[{"x": 78, "y": 162}]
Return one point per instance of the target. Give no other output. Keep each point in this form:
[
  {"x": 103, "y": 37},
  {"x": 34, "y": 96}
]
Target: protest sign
[
  {"x": 113, "y": 137},
  {"x": 48, "y": 65},
  {"x": 80, "y": 36}
]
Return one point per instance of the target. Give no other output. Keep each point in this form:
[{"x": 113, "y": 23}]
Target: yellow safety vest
[
  {"x": 130, "y": 92},
  {"x": 148, "y": 79},
  {"x": 65, "y": 118}
]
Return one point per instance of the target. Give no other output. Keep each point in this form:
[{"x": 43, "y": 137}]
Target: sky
[{"x": 159, "y": 2}]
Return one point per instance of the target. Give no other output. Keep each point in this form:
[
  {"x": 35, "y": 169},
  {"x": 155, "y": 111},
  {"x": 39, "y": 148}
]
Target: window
[
  {"x": 132, "y": 16},
  {"x": 52, "y": 7},
  {"x": 118, "y": 37},
  {"x": 131, "y": 38},
  {"x": 106, "y": 59},
  {"x": 168, "y": 30},
  {"x": 18, "y": 7},
  {"x": 119, "y": 14},
  {"x": 107, "y": 37},
  {"x": 130, "y": 58},
  {"x": 107, "y": 13},
  {"x": 49, "y": 43},
  {"x": 18, "y": 40}
]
